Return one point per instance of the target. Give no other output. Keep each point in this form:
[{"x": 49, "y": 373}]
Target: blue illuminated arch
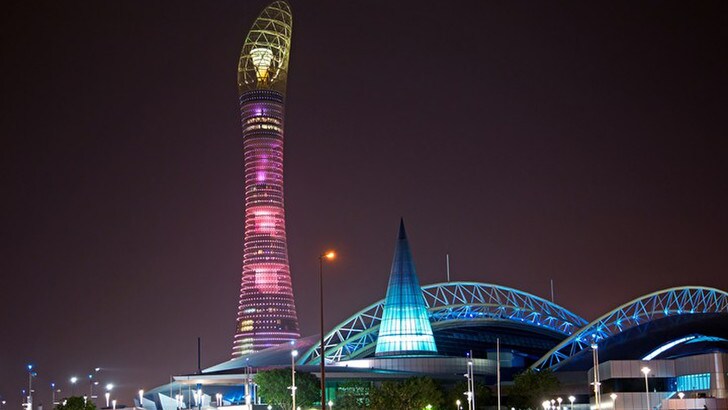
[
  {"x": 448, "y": 304},
  {"x": 685, "y": 300}
]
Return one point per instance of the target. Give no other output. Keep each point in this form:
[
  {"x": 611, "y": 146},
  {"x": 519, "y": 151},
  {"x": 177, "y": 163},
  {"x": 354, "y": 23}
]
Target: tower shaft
[{"x": 267, "y": 312}]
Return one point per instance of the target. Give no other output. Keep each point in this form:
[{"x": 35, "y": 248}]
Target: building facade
[
  {"x": 267, "y": 311},
  {"x": 687, "y": 383}
]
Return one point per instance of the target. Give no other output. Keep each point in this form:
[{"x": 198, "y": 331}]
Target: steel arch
[
  {"x": 668, "y": 302},
  {"x": 448, "y": 302}
]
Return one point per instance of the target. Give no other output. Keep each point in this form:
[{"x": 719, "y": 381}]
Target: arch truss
[
  {"x": 684, "y": 300},
  {"x": 448, "y": 302}
]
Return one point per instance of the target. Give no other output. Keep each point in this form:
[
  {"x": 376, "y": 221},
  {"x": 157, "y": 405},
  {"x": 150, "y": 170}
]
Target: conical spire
[{"x": 405, "y": 328}]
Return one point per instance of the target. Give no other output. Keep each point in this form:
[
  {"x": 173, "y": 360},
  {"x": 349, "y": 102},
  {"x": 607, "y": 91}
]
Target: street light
[
  {"x": 559, "y": 400},
  {"x": 141, "y": 398},
  {"x": 330, "y": 255},
  {"x": 31, "y": 374},
  {"x": 113, "y": 404},
  {"x": 92, "y": 383},
  {"x": 109, "y": 386},
  {"x": 294, "y": 354},
  {"x": 646, "y": 370},
  {"x": 572, "y": 399},
  {"x": 681, "y": 395},
  {"x": 74, "y": 379},
  {"x": 471, "y": 387},
  {"x": 546, "y": 404},
  {"x": 614, "y": 400},
  {"x": 331, "y": 404},
  {"x": 457, "y": 405},
  {"x": 597, "y": 394}
]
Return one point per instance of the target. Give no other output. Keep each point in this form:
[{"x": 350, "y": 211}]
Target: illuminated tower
[
  {"x": 266, "y": 312},
  {"x": 405, "y": 328}
]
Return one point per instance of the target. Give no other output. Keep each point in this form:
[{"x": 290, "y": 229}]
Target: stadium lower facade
[{"x": 680, "y": 334}]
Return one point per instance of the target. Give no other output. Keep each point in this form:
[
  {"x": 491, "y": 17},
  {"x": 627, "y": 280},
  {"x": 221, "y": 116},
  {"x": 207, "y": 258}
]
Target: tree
[
  {"x": 75, "y": 403},
  {"x": 274, "y": 388},
  {"x": 415, "y": 393},
  {"x": 530, "y": 387},
  {"x": 353, "y": 395}
]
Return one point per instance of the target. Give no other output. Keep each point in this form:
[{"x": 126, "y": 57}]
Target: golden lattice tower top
[{"x": 263, "y": 60}]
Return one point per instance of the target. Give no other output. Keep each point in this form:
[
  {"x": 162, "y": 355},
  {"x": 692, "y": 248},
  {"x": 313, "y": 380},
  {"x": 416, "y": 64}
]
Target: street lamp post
[
  {"x": 597, "y": 394},
  {"x": 613, "y": 396},
  {"x": 572, "y": 399},
  {"x": 294, "y": 353},
  {"x": 646, "y": 370},
  {"x": 559, "y": 399},
  {"x": 109, "y": 386},
  {"x": 31, "y": 373},
  {"x": 73, "y": 380},
  {"x": 457, "y": 405},
  {"x": 113, "y": 404},
  {"x": 322, "y": 353},
  {"x": 469, "y": 394},
  {"x": 331, "y": 404}
]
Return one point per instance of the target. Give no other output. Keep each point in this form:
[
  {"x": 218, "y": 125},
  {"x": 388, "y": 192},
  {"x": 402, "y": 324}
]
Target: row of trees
[{"x": 416, "y": 393}]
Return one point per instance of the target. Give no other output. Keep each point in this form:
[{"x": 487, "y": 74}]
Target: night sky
[{"x": 579, "y": 141}]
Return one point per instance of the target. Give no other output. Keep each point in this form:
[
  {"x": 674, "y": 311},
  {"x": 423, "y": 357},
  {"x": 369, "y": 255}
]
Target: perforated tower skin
[{"x": 266, "y": 312}]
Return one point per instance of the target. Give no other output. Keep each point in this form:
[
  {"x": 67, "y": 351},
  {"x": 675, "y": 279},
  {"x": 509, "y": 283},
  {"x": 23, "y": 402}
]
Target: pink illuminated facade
[{"x": 266, "y": 312}]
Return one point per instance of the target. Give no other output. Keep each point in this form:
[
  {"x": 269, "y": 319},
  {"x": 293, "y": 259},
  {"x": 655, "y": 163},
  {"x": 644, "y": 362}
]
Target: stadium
[{"x": 679, "y": 334}]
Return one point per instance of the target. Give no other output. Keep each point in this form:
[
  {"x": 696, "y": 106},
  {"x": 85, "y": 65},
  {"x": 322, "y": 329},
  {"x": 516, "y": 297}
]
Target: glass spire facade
[
  {"x": 266, "y": 312},
  {"x": 405, "y": 328}
]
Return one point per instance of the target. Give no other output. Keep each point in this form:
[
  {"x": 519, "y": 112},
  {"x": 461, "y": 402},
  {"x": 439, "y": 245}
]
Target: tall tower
[
  {"x": 266, "y": 312},
  {"x": 405, "y": 328}
]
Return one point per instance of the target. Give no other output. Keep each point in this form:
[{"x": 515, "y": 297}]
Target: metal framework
[
  {"x": 263, "y": 60},
  {"x": 448, "y": 304},
  {"x": 684, "y": 300}
]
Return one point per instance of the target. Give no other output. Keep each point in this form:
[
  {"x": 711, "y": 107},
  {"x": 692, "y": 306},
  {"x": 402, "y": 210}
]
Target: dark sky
[{"x": 579, "y": 141}]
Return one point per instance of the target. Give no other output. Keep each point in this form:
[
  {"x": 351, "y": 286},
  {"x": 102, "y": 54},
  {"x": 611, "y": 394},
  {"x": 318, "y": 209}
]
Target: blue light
[
  {"x": 405, "y": 327},
  {"x": 692, "y": 382}
]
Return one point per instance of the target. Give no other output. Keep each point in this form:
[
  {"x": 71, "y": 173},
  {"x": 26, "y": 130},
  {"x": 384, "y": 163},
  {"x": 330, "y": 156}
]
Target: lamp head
[
  {"x": 645, "y": 370},
  {"x": 330, "y": 255}
]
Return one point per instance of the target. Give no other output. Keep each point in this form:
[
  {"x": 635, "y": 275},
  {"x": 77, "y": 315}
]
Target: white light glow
[{"x": 262, "y": 58}]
